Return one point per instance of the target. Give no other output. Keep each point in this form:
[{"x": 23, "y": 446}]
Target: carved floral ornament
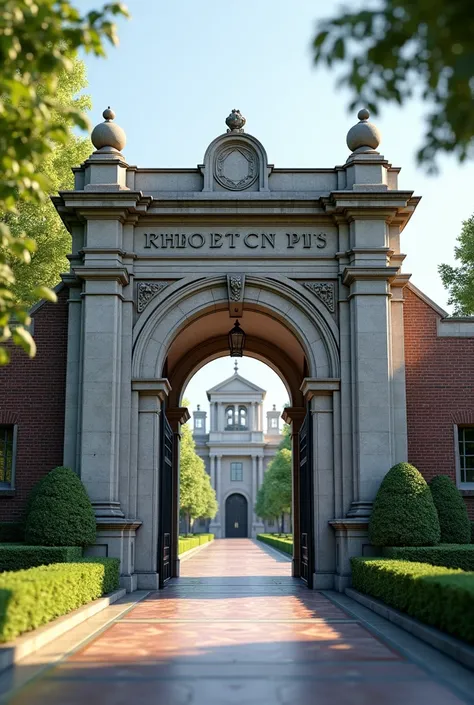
[
  {"x": 146, "y": 291},
  {"x": 235, "y": 287},
  {"x": 325, "y": 291}
]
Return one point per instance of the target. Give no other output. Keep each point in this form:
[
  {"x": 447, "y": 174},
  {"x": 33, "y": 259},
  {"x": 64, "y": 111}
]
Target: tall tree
[
  {"x": 275, "y": 493},
  {"x": 460, "y": 280},
  {"x": 40, "y": 221},
  {"x": 392, "y": 50},
  {"x": 196, "y": 496},
  {"x": 38, "y": 41}
]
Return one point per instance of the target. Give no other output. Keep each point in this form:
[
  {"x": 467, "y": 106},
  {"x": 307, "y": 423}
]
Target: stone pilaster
[{"x": 176, "y": 417}]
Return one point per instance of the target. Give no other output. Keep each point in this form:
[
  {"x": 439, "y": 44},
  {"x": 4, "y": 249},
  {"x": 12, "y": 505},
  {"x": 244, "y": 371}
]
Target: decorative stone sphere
[
  {"x": 235, "y": 121},
  {"x": 364, "y": 134},
  {"x": 108, "y": 134}
]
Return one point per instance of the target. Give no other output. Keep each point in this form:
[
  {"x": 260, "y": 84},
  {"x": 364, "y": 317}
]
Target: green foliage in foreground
[
  {"x": 281, "y": 544},
  {"x": 60, "y": 512},
  {"x": 11, "y": 531},
  {"x": 31, "y": 598},
  {"x": 441, "y": 597},
  {"x": 393, "y": 50},
  {"x": 197, "y": 498},
  {"x": 20, "y": 557},
  {"x": 452, "y": 511},
  {"x": 404, "y": 513},
  {"x": 186, "y": 543},
  {"x": 447, "y": 555},
  {"x": 38, "y": 43}
]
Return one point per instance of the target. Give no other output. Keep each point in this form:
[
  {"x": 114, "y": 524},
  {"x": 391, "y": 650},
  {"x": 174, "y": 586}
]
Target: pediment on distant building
[{"x": 235, "y": 385}]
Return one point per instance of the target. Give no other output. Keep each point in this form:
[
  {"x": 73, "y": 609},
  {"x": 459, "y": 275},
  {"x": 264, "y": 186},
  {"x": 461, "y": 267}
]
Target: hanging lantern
[{"x": 236, "y": 341}]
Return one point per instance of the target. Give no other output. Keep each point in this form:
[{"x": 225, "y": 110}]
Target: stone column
[
  {"x": 151, "y": 395},
  {"x": 258, "y": 481},
  {"x": 72, "y": 425},
  {"x": 295, "y": 415},
  {"x": 216, "y": 524},
  {"x": 176, "y": 416}
]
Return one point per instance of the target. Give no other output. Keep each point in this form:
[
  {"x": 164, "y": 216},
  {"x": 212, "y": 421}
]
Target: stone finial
[
  {"x": 107, "y": 134},
  {"x": 236, "y": 367},
  {"x": 363, "y": 137},
  {"x": 235, "y": 121},
  {"x": 199, "y": 407}
]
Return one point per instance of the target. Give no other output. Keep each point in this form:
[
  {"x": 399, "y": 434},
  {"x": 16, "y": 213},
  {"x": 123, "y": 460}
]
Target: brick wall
[
  {"x": 32, "y": 394},
  {"x": 440, "y": 390}
]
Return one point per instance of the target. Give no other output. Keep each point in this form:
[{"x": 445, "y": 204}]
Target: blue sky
[{"x": 181, "y": 67}]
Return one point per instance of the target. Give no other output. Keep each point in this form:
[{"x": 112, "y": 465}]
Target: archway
[
  {"x": 236, "y": 516},
  {"x": 187, "y": 325}
]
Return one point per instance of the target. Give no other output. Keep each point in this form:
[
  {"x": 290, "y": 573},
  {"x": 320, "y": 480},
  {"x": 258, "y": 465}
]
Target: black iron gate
[
  {"x": 306, "y": 501},
  {"x": 165, "y": 500}
]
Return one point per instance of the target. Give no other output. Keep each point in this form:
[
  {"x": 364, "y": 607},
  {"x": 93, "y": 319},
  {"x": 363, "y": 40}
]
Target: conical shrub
[
  {"x": 404, "y": 513},
  {"x": 452, "y": 512},
  {"x": 60, "y": 512}
]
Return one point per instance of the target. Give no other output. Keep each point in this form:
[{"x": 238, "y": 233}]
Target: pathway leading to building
[{"x": 236, "y": 629}]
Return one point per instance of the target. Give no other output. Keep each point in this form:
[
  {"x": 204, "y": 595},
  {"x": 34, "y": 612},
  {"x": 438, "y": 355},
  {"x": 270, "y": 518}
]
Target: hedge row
[
  {"x": 445, "y": 554},
  {"x": 441, "y": 597},
  {"x": 11, "y": 531},
  {"x": 186, "y": 543},
  {"x": 281, "y": 544},
  {"x": 21, "y": 557},
  {"x": 31, "y": 598}
]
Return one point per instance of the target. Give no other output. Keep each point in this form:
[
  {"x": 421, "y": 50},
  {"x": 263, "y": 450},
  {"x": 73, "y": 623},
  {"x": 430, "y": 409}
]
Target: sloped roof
[{"x": 236, "y": 383}]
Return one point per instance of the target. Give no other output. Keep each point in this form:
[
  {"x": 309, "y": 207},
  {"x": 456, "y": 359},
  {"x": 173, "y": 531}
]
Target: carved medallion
[
  {"x": 146, "y": 291},
  {"x": 325, "y": 292},
  {"x": 236, "y": 167}
]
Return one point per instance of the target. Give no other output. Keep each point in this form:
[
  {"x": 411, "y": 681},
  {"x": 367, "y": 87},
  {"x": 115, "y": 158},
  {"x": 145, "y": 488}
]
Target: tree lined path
[{"x": 237, "y": 629}]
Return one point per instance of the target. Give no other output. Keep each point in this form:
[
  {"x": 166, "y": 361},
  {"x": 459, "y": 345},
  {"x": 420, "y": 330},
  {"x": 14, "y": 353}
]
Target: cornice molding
[
  {"x": 352, "y": 274},
  {"x": 119, "y": 274}
]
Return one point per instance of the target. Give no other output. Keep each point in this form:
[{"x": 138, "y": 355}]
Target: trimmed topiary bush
[
  {"x": 404, "y": 513},
  {"x": 60, "y": 512},
  {"x": 452, "y": 511}
]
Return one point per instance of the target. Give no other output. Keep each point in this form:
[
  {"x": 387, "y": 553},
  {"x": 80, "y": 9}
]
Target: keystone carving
[
  {"x": 325, "y": 292},
  {"x": 235, "y": 292},
  {"x": 147, "y": 291}
]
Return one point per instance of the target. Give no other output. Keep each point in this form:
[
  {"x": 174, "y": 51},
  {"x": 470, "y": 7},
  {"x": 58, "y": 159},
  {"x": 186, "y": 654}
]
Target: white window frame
[
  {"x": 237, "y": 462},
  {"x": 10, "y": 486},
  {"x": 199, "y": 423},
  {"x": 274, "y": 423},
  {"x": 461, "y": 485}
]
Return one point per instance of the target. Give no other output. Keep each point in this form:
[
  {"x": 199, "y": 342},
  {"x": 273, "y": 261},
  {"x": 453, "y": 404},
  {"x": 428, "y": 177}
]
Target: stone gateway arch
[{"x": 164, "y": 261}]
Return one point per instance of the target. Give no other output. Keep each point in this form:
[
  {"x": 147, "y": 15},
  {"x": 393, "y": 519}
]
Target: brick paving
[{"x": 236, "y": 629}]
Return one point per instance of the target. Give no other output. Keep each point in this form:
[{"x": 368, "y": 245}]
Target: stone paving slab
[{"x": 223, "y": 637}]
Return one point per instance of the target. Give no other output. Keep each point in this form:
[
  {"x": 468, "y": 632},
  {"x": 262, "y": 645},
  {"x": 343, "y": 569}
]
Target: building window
[
  {"x": 7, "y": 456},
  {"x": 229, "y": 415},
  {"x": 242, "y": 417},
  {"x": 465, "y": 454},
  {"x": 236, "y": 472},
  {"x": 273, "y": 423},
  {"x": 198, "y": 423}
]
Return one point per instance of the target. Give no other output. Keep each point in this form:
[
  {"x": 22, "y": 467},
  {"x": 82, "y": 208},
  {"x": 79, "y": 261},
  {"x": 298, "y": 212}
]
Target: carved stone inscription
[{"x": 219, "y": 242}]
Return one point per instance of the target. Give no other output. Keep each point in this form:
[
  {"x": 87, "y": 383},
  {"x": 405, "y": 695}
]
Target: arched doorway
[
  {"x": 186, "y": 326},
  {"x": 236, "y": 516}
]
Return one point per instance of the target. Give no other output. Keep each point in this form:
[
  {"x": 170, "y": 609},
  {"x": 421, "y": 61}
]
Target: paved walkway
[{"x": 236, "y": 629}]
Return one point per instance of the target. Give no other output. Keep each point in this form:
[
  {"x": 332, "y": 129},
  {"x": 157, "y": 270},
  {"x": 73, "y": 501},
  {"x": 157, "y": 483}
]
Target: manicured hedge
[
  {"x": 11, "y": 531},
  {"x": 441, "y": 597},
  {"x": 186, "y": 543},
  {"x": 446, "y": 554},
  {"x": 21, "y": 557},
  {"x": 31, "y": 598},
  {"x": 281, "y": 544},
  {"x": 472, "y": 531}
]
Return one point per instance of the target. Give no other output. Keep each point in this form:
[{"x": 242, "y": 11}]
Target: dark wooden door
[
  {"x": 306, "y": 501},
  {"x": 236, "y": 515},
  {"x": 165, "y": 517}
]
